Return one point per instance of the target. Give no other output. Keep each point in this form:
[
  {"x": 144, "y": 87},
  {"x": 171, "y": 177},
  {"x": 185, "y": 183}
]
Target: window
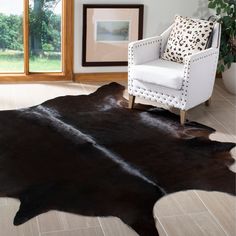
[
  {"x": 45, "y": 36},
  {"x": 36, "y": 39},
  {"x": 11, "y": 36}
]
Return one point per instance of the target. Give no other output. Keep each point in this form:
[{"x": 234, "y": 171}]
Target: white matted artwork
[{"x": 107, "y": 31}]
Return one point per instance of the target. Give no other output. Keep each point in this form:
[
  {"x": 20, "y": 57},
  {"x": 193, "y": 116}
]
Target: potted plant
[{"x": 226, "y": 15}]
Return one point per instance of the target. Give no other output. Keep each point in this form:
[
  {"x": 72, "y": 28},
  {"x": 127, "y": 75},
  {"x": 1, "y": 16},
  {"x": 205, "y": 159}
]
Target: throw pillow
[{"x": 187, "y": 37}]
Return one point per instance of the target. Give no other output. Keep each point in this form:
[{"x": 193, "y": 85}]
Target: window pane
[
  {"x": 11, "y": 36},
  {"x": 45, "y": 35}
]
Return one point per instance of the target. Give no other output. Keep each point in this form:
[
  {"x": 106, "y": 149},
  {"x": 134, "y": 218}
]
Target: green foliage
[
  {"x": 11, "y": 36},
  {"x": 47, "y": 47},
  {"x": 226, "y": 15},
  {"x": 51, "y": 31}
]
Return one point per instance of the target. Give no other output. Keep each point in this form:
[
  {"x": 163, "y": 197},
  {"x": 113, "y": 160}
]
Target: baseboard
[
  {"x": 36, "y": 77},
  {"x": 101, "y": 77}
]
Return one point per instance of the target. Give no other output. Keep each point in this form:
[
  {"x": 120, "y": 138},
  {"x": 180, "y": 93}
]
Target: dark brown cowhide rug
[{"x": 92, "y": 156}]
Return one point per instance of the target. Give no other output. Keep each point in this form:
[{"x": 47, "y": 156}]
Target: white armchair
[{"x": 182, "y": 86}]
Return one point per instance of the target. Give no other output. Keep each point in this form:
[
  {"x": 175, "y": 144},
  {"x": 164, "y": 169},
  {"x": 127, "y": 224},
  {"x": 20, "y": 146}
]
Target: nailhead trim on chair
[
  {"x": 202, "y": 57},
  {"x": 185, "y": 85},
  {"x": 147, "y": 43},
  {"x": 157, "y": 97},
  {"x": 131, "y": 62},
  {"x": 160, "y": 49}
]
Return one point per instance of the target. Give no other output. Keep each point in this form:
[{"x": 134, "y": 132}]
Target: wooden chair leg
[
  {"x": 182, "y": 116},
  {"x": 208, "y": 102},
  {"x": 131, "y": 101}
]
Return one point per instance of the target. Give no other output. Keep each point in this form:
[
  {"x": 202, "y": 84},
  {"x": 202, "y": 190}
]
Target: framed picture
[{"x": 107, "y": 31}]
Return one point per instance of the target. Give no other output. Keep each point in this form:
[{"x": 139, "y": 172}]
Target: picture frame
[{"x": 107, "y": 31}]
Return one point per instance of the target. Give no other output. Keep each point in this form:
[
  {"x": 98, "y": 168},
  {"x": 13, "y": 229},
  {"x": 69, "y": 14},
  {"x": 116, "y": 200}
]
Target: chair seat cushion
[{"x": 160, "y": 72}]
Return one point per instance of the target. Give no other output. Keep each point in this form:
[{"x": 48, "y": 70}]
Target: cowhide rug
[{"x": 92, "y": 156}]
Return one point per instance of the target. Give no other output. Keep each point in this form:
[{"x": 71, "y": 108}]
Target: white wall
[{"x": 158, "y": 15}]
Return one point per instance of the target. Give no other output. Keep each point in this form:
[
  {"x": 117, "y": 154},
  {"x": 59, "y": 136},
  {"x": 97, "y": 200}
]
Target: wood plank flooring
[{"x": 190, "y": 213}]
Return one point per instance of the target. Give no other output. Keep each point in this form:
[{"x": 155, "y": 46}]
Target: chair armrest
[
  {"x": 144, "y": 50},
  {"x": 201, "y": 55},
  {"x": 199, "y": 77}
]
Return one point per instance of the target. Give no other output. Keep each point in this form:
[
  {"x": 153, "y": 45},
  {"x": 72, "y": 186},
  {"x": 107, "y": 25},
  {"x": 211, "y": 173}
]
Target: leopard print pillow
[{"x": 187, "y": 37}]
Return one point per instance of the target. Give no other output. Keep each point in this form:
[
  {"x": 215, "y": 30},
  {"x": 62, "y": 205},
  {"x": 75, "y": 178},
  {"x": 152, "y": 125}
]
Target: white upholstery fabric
[
  {"x": 201, "y": 77},
  {"x": 145, "y": 50},
  {"x": 164, "y": 36},
  {"x": 157, "y": 93},
  {"x": 160, "y": 72},
  {"x": 198, "y": 73},
  {"x": 216, "y": 36}
]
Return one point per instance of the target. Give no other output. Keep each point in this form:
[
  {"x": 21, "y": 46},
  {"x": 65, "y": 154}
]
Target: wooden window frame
[{"x": 67, "y": 49}]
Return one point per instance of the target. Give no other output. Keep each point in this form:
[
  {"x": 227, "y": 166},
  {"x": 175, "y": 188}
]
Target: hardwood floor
[{"x": 191, "y": 213}]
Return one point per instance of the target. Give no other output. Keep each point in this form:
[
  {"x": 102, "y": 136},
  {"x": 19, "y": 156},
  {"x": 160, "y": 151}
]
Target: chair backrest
[{"x": 216, "y": 36}]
